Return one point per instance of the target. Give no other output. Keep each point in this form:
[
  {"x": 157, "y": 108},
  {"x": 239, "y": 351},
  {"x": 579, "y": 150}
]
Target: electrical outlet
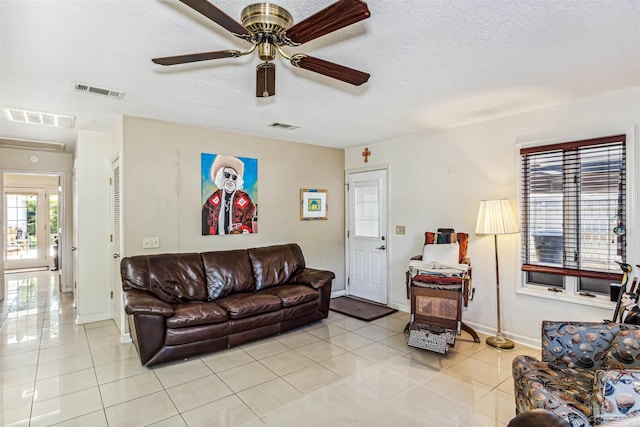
[
  {"x": 400, "y": 229},
  {"x": 150, "y": 242}
]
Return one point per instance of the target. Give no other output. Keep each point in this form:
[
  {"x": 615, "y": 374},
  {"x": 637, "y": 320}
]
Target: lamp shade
[{"x": 495, "y": 217}]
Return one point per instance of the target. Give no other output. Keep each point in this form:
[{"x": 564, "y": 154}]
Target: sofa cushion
[
  {"x": 292, "y": 295},
  {"x": 227, "y": 272},
  {"x": 575, "y": 344},
  {"x": 274, "y": 265},
  {"x": 624, "y": 352},
  {"x": 616, "y": 395},
  {"x": 196, "y": 313},
  {"x": 243, "y": 305},
  {"x": 176, "y": 278}
]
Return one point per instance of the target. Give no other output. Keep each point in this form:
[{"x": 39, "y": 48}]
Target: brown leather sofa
[{"x": 181, "y": 305}]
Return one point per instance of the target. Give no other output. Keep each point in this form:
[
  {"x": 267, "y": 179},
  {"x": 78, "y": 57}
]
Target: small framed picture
[{"x": 313, "y": 204}]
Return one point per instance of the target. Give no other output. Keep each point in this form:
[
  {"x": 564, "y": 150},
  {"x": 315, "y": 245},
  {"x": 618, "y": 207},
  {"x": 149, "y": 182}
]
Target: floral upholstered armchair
[{"x": 589, "y": 373}]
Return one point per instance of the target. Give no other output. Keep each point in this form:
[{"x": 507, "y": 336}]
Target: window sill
[{"x": 598, "y": 301}]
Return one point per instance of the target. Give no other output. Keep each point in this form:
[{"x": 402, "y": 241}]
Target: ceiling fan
[{"x": 269, "y": 27}]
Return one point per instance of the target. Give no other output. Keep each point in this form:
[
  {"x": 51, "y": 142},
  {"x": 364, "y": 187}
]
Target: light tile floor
[{"x": 338, "y": 372}]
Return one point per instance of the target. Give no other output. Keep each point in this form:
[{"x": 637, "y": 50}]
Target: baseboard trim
[
  {"x": 339, "y": 293},
  {"x": 400, "y": 307},
  {"x": 520, "y": 339},
  {"x": 125, "y": 338},
  {"x": 81, "y": 320}
]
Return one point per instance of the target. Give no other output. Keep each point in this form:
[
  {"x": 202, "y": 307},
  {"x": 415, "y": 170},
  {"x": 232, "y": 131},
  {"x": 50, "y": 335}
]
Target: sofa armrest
[
  {"x": 142, "y": 302},
  {"x": 313, "y": 277},
  {"x": 558, "y": 389},
  {"x": 614, "y": 395}
]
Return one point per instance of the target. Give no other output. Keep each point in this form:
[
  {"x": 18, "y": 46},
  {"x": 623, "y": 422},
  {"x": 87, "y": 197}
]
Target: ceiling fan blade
[
  {"x": 219, "y": 17},
  {"x": 195, "y": 57},
  {"x": 265, "y": 80},
  {"x": 329, "y": 69},
  {"x": 339, "y": 15}
]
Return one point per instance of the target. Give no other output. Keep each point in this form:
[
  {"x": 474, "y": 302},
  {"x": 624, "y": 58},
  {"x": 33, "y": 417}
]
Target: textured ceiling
[{"x": 433, "y": 64}]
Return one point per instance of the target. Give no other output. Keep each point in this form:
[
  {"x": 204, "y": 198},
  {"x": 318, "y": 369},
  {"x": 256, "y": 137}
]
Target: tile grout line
[
  {"x": 95, "y": 374},
  {"x": 35, "y": 379},
  {"x": 168, "y": 395}
]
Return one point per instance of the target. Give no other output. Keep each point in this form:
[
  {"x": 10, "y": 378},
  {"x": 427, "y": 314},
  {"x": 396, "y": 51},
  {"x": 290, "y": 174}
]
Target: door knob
[
  {"x": 73, "y": 248},
  {"x": 116, "y": 255},
  {"x": 382, "y": 247}
]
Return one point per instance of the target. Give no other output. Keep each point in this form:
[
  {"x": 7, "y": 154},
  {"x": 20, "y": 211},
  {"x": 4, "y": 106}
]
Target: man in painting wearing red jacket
[{"x": 229, "y": 210}]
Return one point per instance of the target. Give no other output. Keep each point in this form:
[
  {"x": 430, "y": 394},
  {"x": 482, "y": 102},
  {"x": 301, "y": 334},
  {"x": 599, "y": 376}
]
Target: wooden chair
[{"x": 437, "y": 296}]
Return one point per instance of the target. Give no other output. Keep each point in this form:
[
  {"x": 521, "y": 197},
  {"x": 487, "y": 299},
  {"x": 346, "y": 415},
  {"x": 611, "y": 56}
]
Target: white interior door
[{"x": 367, "y": 228}]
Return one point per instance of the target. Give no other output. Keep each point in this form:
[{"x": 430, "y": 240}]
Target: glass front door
[{"x": 26, "y": 242}]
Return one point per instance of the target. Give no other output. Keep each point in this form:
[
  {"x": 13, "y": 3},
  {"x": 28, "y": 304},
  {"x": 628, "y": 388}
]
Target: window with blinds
[{"x": 573, "y": 197}]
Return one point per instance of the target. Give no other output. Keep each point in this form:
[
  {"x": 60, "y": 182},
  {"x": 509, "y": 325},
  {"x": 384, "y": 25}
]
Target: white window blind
[{"x": 573, "y": 196}]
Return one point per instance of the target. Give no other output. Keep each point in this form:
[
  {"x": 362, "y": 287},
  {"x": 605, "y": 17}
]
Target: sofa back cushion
[
  {"x": 275, "y": 265},
  {"x": 577, "y": 344},
  {"x": 624, "y": 352},
  {"x": 134, "y": 272},
  {"x": 227, "y": 272},
  {"x": 176, "y": 278}
]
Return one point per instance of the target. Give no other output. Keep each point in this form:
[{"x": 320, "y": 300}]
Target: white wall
[
  {"x": 162, "y": 186},
  {"x": 438, "y": 179}
]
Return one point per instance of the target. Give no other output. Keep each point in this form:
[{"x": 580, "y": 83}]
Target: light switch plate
[
  {"x": 400, "y": 229},
  {"x": 150, "y": 242}
]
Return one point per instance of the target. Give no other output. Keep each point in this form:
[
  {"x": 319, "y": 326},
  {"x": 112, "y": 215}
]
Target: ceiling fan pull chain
[{"x": 266, "y": 92}]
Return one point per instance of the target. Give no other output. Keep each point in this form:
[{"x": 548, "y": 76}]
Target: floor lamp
[{"x": 495, "y": 217}]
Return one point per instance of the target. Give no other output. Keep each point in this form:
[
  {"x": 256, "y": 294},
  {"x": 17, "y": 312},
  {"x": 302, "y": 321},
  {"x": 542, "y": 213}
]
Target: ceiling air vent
[
  {"x": 81, "y": 87},
  {"x": 283, "y": 126},
  {"x": 39, "y": 118}
]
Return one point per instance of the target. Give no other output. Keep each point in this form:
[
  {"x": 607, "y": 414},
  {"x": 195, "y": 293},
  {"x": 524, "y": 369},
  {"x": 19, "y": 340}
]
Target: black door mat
[{"x": 359, "y": 309}]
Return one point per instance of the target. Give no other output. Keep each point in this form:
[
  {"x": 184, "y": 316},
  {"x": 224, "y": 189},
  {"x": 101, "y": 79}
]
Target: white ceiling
[{"x": 433, "y": 64}]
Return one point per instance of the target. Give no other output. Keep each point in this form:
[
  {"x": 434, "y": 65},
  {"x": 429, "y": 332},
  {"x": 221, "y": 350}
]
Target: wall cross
[{"x": 366, "y": 153}]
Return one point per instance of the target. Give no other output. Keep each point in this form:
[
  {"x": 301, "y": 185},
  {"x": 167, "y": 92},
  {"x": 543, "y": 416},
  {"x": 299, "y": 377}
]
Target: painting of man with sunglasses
[{"x": 229, "y": 210}]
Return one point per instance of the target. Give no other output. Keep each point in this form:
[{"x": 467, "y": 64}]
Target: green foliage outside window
[
  {"x": 31, "y": 217},
  {"x": 53, "y": 217}
]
